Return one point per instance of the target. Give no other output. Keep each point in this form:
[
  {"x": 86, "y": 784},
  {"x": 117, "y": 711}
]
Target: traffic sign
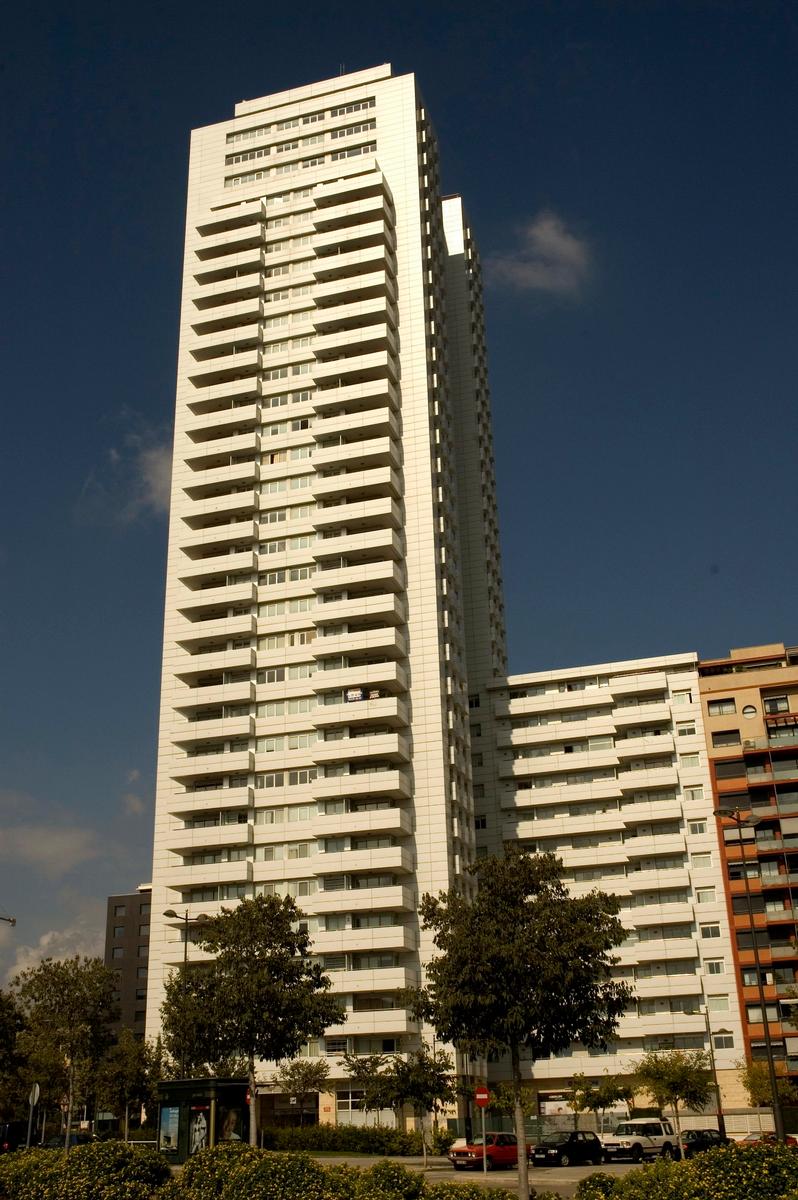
[
  {"x": 482, "y": 1096},
  {"x": 33, "y": 1098}
]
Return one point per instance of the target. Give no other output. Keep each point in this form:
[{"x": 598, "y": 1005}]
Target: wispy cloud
[
  {"x": 550, "y": 258},
  {"x": 50, "y": 851},
  {"x": 83, "y": 936},
  {"x": 133, "y": 479}
]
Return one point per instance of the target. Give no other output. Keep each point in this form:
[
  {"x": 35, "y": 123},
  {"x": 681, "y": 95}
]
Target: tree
[
  {"x": 12, "y": 1024},
  {"x": 261, "y": 997},
  {"x": 755, "y": 1078},
  {"x": 674, "y": 1078},
  {"x": 191, "y": 1032},
  {"x": 608, "y": 1091},
  {"x": 502, "y": 1100},
  {"x": 425, "y": 1080},
  {"x": 370, "y": 1074},
  {"x": 582, "y": 1092},
  {"x": 123, "y": 1076},
  {"x": 522, "y": 966},
  {"x": 69, "y": 1009},
  {"x": 303, "y": 1077}
]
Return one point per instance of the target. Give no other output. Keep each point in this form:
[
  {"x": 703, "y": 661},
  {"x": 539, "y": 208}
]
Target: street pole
[
  {"x": 713, "y": 1064},
  {"x": 187, "y": 920},
  {"x": 778, "y": 1121},
  {"x": 485, "y": 1144}
]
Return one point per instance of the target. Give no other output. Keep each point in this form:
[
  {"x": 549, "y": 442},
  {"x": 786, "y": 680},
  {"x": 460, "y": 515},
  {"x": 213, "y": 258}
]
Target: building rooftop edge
[
  {"x": 322, "y": 87},
  {"x": 689, "y": 657}
]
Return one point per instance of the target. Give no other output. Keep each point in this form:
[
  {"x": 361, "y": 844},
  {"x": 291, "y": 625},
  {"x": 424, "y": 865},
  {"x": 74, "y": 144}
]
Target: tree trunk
[
  {"x": 70, "y": 1097},
  {"x": 127, "y": 1119},
  {"x": 253, "y": 1103},
  {"x": 423, "y": 1142},
  {"x": 678, "y": 1128},
  {"x": 520, "y": 1132}
]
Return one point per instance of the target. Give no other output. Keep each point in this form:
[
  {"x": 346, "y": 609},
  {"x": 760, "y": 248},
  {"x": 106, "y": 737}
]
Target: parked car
[
  {"x": 639, "y": 1139},
  {"x": 566, "y": 1149},
  {"x": 768, "y": 1139},
  {"x": 500, "y": 1150},
  {"x": 13, "y": 1134},
  {"x": 697, "y": 1140},
  {"x": 75, "y": 1139}
]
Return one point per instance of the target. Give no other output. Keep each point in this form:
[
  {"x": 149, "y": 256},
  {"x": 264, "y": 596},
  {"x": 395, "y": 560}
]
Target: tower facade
[{"x": 327, "y": 578}]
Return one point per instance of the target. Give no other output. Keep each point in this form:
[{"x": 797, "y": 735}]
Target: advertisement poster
[
  {"x": 231, "y": 1125},
  {"x": 198, "y": 1128},
  {"x": 170, "y": 1124}
]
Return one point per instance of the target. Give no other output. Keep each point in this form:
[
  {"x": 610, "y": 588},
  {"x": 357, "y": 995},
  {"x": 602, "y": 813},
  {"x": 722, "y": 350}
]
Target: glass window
[
  {"x": 117, "y": 952},
  {"x": 710, "y": 931},
  {"x": 705, "y": 895},
  {"x": 726, "y": 737},
  {"x": 722, "y": 708},
  {"x": 697, "y": 827},
  {"x": 120, "y": 910},
  {"x": 776, "y": 704},
  {"x": 718, "y": 1003},
  {"x": 685, "y": 728},
  {"x": 119, "y": 931},
  {"x": 723, "y": 1041},
  {"x": 715, "y": 966}
]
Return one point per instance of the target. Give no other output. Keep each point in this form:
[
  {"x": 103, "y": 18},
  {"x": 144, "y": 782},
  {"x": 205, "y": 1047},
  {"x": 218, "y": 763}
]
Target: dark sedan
[
  {"x": 567, "y": 1149},
  {"x": 697, "y": 1140}
]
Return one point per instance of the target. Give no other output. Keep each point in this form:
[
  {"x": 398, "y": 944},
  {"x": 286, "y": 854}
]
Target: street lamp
[
  {"x": 187, "y": 920},
  {"x": 713, "y": 1064},
  {"x": 734, "y": 814}
]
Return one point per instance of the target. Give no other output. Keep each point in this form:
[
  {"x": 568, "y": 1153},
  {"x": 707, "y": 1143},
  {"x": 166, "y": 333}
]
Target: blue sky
[{"x": 631, "y": 173}]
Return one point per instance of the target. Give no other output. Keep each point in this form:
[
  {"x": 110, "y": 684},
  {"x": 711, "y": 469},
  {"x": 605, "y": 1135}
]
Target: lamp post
[
  {"x": 187, "y": 920},
  {"x": 734, "y": 814},
  {"x": 714, "y": 1066}
]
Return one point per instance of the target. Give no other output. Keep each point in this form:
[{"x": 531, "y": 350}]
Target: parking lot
[{"x": 557, "y": 1179}]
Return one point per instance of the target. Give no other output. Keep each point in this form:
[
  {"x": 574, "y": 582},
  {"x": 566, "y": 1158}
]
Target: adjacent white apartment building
[
  {"x": 606, "y": 766},
  {"x": 332, "y": 530}
]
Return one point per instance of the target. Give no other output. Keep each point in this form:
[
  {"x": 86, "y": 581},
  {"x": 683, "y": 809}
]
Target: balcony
[
  {"x": 387, "y": 639},
  {"x": 217, "y": 836},
  {"x": 377, "y": 481},
  {"x": 224, "y": 594},
  {"x": 213, "y": 505},
  {"x": 350, "y": 941},
  {"x": 217, "y": 798},
  {"x": 382, "y": 510},
  {"x": 217, "y": 425},
  {"x": 395, "y": 784},
  {"x": 388, "y": 676},
  {"x": 377, "y": 421},
  {"x": 392, "y": 747},
  {"x": 381, "y": 820},
  {"x": 194, "y": 767},
  {"x": 773, "y": 773},
  {"x": 397, "y": 898},
  {"x": 218, "y": 537},
  {"x": 356, "y": 368},
  {"x": 223, "y": 729},
  {"x": 385, "y": 573},
  {"x": 356, "y": 397},
  {"x": 192, "y": 634},
  {"x": 353, "y": 545},
  {"x": 199, "y": 484},
  {"x": 385, "y": 605},
  {"x": 387, "y": 858},
  {"x": 388, "y": 710}
]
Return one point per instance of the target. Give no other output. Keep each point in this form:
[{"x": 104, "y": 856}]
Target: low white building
[{"x": 606, "y": 766}]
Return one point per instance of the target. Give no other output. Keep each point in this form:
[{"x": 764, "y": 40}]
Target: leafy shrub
[
  {"x": 597, "y": 1186},
  {"x": 730, "y": 1173},
  {"x": 466, "y": 1191},
  {"x": 354, "y": 1139},
  {"x": 101, "y": 1171},
  {"x": 28, "y": 1174},
  {"x": 441, "y": 1140},
  {"x": 389, "y": 1181},
  {"x": 205, "y": 1174}
]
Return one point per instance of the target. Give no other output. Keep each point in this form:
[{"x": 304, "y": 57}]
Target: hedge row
[
  {"x": 355, "y": 1139},
  {"x": 114, "y": 1171},
  {"x": 732, "y": 1173}
]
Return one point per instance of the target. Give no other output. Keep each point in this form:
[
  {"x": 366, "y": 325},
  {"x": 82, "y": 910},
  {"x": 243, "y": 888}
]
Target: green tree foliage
[
  {"x": 69, "y": 1010},
  {"x": 301, "y": 1078},
  {"x": 502, "y": 1100},
  {"x": 523, "y": 965},
  {"x": 755, "y": 1078},
  {"x": 582, "y": 1092},
  {"x": 261, "y": 997},
  {"x": 676, "y": 1079},
  {"x": 12, "y": 1024},
  {"x": 123, "y": 1078},
  {"x": 609, "y": 1090},
  {"x": 425, "y": 1080},
  {"x": 370, "y": 1074}
]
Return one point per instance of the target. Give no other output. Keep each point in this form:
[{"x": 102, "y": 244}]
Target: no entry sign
[{"x": 481, "y": 1096}]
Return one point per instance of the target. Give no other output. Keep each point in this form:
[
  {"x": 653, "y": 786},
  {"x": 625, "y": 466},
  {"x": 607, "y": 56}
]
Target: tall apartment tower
[
  {"x": 750, "y": 702},
  {"x": 333, "y": 596},
  {"x": 606, "y": 766}
]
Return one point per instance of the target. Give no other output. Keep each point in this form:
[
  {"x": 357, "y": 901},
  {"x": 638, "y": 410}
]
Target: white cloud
[
  {"x": 84, "y": 936},
  {"x": 134, "y": 479},
  {"x": 549, "y": 259},
  {"x": 133, "y": 804},
  {"x": 51, "y": 851},
  {"x": 133, "y": 775}
]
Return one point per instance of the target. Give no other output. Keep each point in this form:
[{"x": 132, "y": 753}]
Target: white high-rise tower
[{"x": 333, "y": 596}]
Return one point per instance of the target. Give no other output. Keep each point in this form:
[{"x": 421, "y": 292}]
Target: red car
[
  {"x": 768, "y": 1139},
  {"x": 500, "y": 1150}
]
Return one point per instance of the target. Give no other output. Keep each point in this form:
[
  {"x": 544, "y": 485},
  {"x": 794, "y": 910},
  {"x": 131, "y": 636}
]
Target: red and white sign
[{"x": 481, "y": 1096}]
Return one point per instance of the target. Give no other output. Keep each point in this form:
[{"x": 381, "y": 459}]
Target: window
[
  {"x": 682, "y": 698},
  {"x": 144, "y": 931},
  {"x": 726, "y": 737},
  {"x": 473, "y": 702},
  {"x": 481, "y": 821},
  {"x": 723, "y": 1041},
  {"x": 119, "y": 931},
  {"x": 701, "y": 861},
  {"x": 689, "y": 760},
  {"x": 705, "y": 895},
  {"x": 143, "y": 951},
  {"x": 708, "y": 932},
  {"x": 749, "y": 711},
  {"x": 476, "y": 760},
  {"x": 141, "y": 972},
  {"x": 120, "y": 910},
  {"x": 715, "y": 966},
  {"x": 694, "y": 793},
  {"x": 117, "y": 952},
  {"x": 776, "y": 704},
  {"x": 718, "y": 1003},
  {"x": 144, "y": 910},
  {"x": 697, "y": 827},
  {"x": 722, "y": 708},
  {"x": 730, "y": 770},
  {"x": 685, "y": 728}
]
